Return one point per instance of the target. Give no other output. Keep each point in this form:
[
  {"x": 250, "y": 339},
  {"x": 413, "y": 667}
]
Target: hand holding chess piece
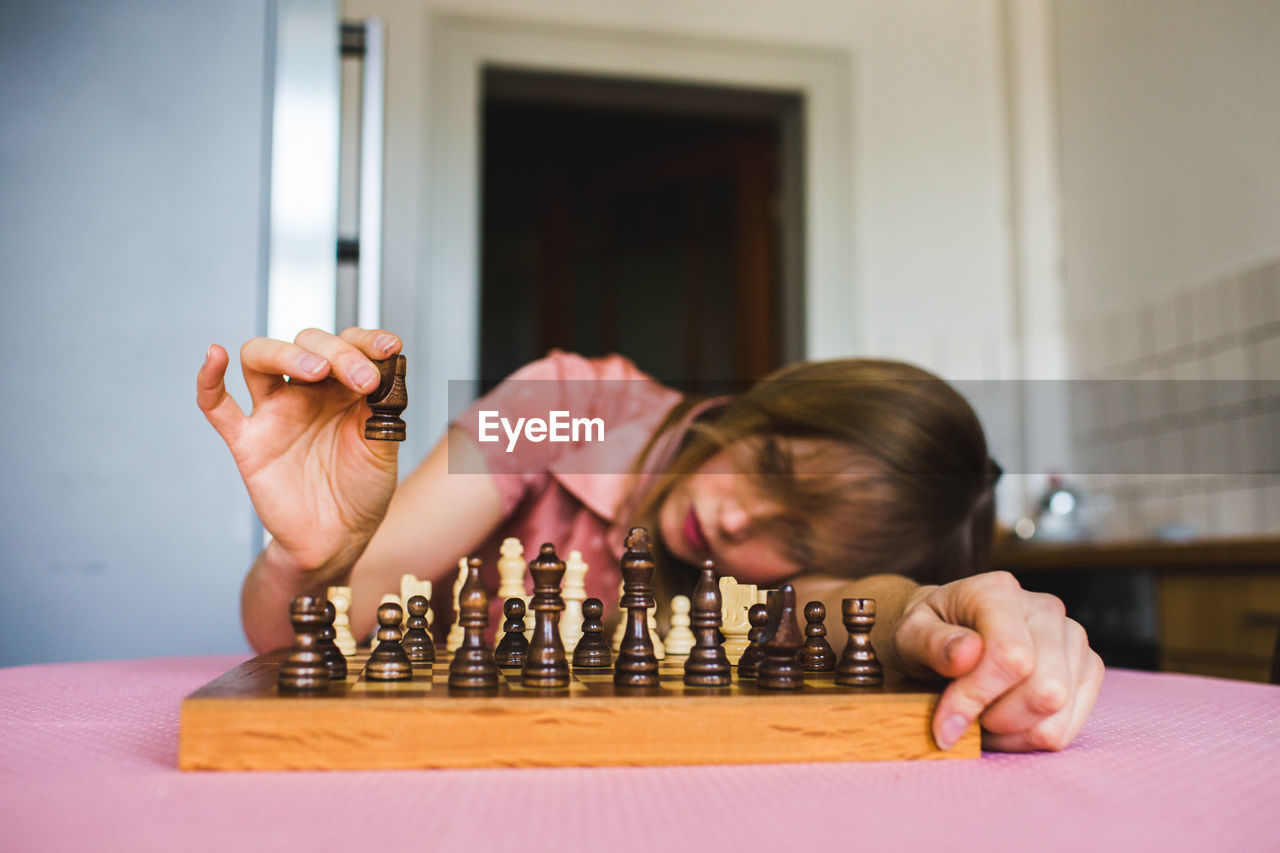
[{"x": 307, "y": 424}]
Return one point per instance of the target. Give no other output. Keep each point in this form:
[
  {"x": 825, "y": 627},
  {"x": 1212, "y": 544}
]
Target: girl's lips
[{"x": 693, "y": 532}]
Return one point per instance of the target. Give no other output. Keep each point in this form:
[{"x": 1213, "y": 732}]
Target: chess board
[{"x": 241, "y": 721}]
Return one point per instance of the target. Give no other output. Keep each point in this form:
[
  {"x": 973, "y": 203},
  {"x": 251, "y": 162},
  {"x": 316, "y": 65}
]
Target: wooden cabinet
[{"x": 1209, "y": 607}]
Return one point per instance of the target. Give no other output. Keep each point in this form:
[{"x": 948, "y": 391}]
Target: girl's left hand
[{"x": 1017, "y": 662}]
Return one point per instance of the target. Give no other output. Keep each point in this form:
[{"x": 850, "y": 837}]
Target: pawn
[
  {"x": 592, "y": 651},
  {"x": 417, "y": 641},
  {"x": 305, "y": 670},
  {"x": 816, "y": 655},
  {"x": 749, "y": 663},
  {"x": 859, "y": 666},
  {"x": 333, "y": 656},
  {"x": 511, "y": 648},
  {"x": 680, "y": 639},
  {"x": 389, "y": 661},
  {"x": 779, "y": 670}
]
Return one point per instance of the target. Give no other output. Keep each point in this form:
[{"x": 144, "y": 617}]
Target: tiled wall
[{"x": 1167, "y": 456}]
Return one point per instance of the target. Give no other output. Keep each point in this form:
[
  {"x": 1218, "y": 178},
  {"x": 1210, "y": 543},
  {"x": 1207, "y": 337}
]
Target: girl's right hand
[{"x": 319, "y": 487}]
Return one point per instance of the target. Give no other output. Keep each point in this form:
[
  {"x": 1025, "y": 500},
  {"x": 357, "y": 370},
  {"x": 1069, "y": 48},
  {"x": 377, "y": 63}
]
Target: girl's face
[{"x": 716, "y": 512}]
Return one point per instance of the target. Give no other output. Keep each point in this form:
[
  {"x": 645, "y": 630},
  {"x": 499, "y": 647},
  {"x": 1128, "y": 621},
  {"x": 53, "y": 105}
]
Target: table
[{"x": 1169, "y": 762}]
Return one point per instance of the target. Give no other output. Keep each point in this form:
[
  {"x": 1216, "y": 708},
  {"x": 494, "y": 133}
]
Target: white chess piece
[
  {"x": 735, "y": 599},
  {"x": 511, "y": 573},
  {"x": 659, "y": 651},
  {"x": 343, "y": 638},
  {"x": 680, "y": 637},
  {"x": 575, "y": 592},
  {"x": 454, "y": 640}
]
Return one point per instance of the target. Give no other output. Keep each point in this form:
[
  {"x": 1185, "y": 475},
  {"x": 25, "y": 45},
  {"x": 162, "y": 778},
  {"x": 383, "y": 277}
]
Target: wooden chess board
[{"x": 241, "y": 721}]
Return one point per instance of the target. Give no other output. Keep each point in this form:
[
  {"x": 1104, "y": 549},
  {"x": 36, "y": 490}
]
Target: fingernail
[
  {"x": 953, "y": 646},
  {"x": 384, "y": 343},
  {"x": 363, "y": 375},
  {"x": 310, "y": 363},
  {"x": 208, "y": 353},
  {"x": 950, "y": 730}
]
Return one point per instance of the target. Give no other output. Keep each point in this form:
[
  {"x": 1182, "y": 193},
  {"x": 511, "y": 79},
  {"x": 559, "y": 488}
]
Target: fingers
[
  {"x": 990, "y": 604},
  {"x": 1044, "y": 698},
  {"x": 926, "y": 644},
  {"x": 212, "y": 397},
  {"x": 315, "y": 355},
  {"x": 1057, "y": 731}
]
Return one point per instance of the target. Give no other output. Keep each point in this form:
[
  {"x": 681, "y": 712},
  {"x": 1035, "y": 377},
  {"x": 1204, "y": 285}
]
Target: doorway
[{"x": 655, "y": 220}]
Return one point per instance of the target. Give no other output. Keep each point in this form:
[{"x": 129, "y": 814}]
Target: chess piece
[
  {"x": 735, "y": 598},
  {"x": 389, "y": 661},
  {"x": 392, "y": 598},
  {"x": 779, "y": 670},
  {"x": 333, "y": 656},
  {"x": 304, "y": 669},
  {"x": 575, "y": 592},
  {"x": 454, "y": 638},
  {"x": 816, "y": 655},
  {"x": 545, "y": 664},
  {"x": 637, "y": 665},
  {"x": 592, "y": 651},
  {"x": 473, "y": 667},
  {"x": 409, "y": 587},
  {"x": 511, "y": 569},
  {"x": 859, "y": 666},
  {"x": 651, "y": 620},
  {"x": 680, "y": 639},
  {"x": 388, "y": 401},
  {"x": 417, "y": 642},
  {"x": 343, "y": 638},
  {"x": 708, "y": 666},
  {"x": 749, "y": 663},
  {"x": 512, "y": 647}
]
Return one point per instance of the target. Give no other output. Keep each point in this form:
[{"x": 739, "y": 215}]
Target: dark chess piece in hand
[
  {"x": 816, "y": 655},
  {"x": 304, "y": 669},
  {"x": 592, "y": 651},
  {"x": 389, "y": 661},
  {"x": 779, "y": 670},
  {"x": 473, "y": 667},
  {"x": 749, "y": 663},
  {"x": 417, "y": 641},
  {"x": 708, "y": 665},
  {"x": 859, "y": 666},
  {"x": 387, "y": 402},
  {"x": 512, "y": 647}
]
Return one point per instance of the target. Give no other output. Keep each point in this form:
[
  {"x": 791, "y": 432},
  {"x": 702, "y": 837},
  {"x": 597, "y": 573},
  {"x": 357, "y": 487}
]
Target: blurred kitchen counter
[{"x": 1201, "y": 606}]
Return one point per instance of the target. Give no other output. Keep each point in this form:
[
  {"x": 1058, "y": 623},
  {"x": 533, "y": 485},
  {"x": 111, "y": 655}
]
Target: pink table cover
[{"x": 88, "y": 756}]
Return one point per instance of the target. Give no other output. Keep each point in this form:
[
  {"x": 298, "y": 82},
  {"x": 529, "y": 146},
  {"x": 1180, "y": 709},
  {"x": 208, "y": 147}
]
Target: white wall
[
  {"x": 132, "y": 147},
  {"x": 1170, "y": 145}
]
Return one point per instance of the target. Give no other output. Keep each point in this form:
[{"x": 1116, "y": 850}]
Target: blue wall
[{"x": 133, "y": 155}]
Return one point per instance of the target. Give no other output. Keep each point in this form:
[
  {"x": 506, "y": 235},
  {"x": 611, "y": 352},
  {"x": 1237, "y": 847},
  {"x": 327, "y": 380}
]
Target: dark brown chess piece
[
  {"x": 859, "y": 666},
  {"x": 779, "y": 670},
  {"x": 473, "y": 667},
  {"x": 637, "y": 664},
  {"x": 417, "y": 639},
  {"x": 333, "y": 656},
  {"x": 389, "y": 661},
  {"x": 545, "y": 664},
  {"x": 816, "y": 655},
  {"x": 592, "y": 651},
  {"x": 749, "y": 663},
  {"x": 708, "y": 665},
  {"x": 304, "y": 669},
  {"x": 512, "y": 647},
  {"x": 388, "y": 401}
]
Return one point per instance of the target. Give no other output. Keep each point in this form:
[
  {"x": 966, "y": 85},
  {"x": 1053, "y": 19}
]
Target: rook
[{"x": 859, "y": 666}]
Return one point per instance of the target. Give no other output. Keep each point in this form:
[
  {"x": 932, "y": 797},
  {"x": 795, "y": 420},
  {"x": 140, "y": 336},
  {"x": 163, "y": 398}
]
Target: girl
[{"x": 847, "y": 478}]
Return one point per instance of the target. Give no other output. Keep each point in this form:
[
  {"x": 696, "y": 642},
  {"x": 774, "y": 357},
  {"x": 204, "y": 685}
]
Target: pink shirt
[{"x": 569, "y": 493}]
